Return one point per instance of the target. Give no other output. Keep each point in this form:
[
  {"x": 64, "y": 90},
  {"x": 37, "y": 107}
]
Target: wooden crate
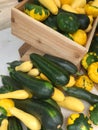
[{"x": 44, "y": 39}]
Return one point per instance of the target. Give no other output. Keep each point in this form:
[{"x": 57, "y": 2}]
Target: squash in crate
[
  {"x": 51, "y": 5},
  {"x": 47, "y": 37},
  {"x": 67, "y": 22},
  {"x": 36, "y": 11}
]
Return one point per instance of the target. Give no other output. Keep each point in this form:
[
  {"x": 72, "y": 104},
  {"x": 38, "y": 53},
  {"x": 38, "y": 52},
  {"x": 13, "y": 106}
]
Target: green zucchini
[
  {"x": 10, "y": 83},
  {"x": 81, "y": 94},
  {"x": 5, "y": 89},
  {"x": 53, "y": 72},
  {"x": 45, "y": 129},
  {"x": 48, "y": 115},
  {"x": 14, "y": 123},
  {"x": 54, "y": 103},
  {"x": 65, "y": 64},
  {"x": 15, "y": 63},
  {"x": 40, "y": 88}
]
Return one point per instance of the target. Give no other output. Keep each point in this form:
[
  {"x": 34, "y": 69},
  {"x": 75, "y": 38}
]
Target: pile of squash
[
  {"x": 72, "y": 18},
  {"x": 35, "y": 91}
]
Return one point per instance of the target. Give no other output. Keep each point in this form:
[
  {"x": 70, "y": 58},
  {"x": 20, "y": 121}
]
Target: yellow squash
[
  {"x": 93, "y": 72},
  {"x": 88, "y": 29},
  {"x": 71, "y": 81},
  {"x": 68, "y": 8},
  {"x": 66, "y": 2},
  {"x": 58, "y": 95},
  {"x": 94, "y": 3},
  {"x": 78, "y": 3},
  {"x": 80, "y": 37},
  {"x": 91, "y": 10},
  {"x": 34, "y": 72},
  {"x": 18, "y": 94},
  {"x": 50, "y": 5},
  {"x": 72, "y": 118},
  {"x": 29, "y": 120},
  {"x": 4, "y": 124},
  {"x": 58, "y": 3},
  {"x": 72, "y": 103},
  {"x": 42, "y": 76},
  {"x": 80, "y": 10},
  {"x": 24, "y": 67}
]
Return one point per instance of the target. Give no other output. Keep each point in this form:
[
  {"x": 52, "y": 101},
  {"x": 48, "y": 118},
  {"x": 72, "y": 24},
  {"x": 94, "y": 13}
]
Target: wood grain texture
[
  {"x": 44, "y": 38},
  {"x": 28, "y": 49}
]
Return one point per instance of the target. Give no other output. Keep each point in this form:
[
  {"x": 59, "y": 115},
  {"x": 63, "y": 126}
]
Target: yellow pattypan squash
[
  {"x": 36, "y": 11},
  {"x": 72, "y": 118},
  {"x": 84, "y": 82},
  {"x": 93, "y": 72},
  {"x": 80, "y": 37}
]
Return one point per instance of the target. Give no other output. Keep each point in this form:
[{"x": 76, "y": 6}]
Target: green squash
[
  {"x": 80, "y": 123},
  {"x": 67, "y": 22},
  {"x": 89, "y": 58},
  {"x": 51, "y": 22},
  {"x": 14, "y": 123},
  {"x": 93, "y": 113}
]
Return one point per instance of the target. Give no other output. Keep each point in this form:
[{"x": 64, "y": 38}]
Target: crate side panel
[{"x": 46, "y": 39}]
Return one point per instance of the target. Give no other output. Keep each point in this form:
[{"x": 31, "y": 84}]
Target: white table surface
[{"x": 9, "y": 45}]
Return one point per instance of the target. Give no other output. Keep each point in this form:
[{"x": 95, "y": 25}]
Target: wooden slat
[{"x": 25, "y": 50}]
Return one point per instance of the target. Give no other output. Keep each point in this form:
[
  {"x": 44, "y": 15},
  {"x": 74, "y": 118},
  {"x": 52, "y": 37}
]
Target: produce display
[
  {"x": 72, "y": 18},
  {"x": 35, "y": 92},
  {"x": 40, "y": 88}
]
